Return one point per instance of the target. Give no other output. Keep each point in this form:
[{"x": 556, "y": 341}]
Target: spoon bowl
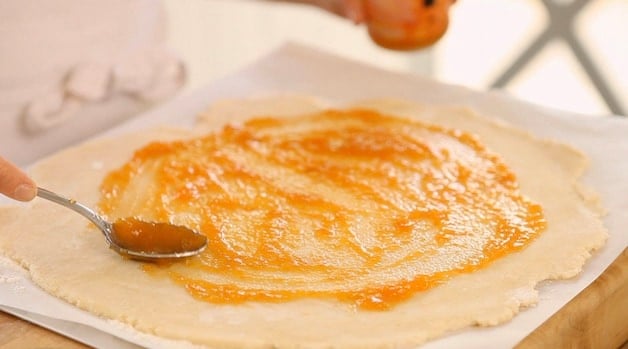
[{"x": 136, "y": 239}]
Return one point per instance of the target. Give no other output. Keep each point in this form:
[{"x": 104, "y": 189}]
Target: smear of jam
[{"x": 351, "y": 205}]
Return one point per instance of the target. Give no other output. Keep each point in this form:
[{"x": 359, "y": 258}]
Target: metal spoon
[{"x": 195, "y": 242}]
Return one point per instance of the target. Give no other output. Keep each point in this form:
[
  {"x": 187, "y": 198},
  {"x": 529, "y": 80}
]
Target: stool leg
[
  {"x": 560, "y": 26},
  {"x": 523, "y": 59},
  {"x": 594, "y": 74}
]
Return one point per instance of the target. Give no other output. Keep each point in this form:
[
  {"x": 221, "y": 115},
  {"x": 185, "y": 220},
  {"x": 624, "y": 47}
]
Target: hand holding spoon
[{"x": 136, "y": 239}]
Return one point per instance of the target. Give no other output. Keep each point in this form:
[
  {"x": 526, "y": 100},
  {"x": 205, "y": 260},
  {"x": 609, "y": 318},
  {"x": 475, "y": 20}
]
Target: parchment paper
[{"x": 296, "y": 69}]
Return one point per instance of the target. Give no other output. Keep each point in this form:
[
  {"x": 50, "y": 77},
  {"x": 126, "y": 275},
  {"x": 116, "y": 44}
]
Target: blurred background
[
  {"x": 70, "y": 69},
  {"x": 485, "y": 37}
]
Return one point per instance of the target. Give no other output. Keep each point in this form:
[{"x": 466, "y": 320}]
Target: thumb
[{"x": 14, "y": 183}]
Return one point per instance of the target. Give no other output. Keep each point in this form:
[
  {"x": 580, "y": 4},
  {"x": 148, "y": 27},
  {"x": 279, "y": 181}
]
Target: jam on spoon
[{"x": 137, "y": 239}]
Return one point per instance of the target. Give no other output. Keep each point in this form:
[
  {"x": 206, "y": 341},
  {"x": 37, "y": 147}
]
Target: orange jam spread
[
  {"x": 136, "y": 235},
  {"x": 350, "y": 205}
]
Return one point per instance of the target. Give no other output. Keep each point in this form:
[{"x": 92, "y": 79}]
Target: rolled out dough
[{"x": 68, "y": 258}]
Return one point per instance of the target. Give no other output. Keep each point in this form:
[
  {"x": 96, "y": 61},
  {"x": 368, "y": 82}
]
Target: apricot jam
[
  {"x": 351, "y": 205},
  {"x": 154, "y": 237}
]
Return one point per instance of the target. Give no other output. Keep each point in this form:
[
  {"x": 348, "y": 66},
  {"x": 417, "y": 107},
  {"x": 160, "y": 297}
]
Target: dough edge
[{"x": 53, "y": 173}]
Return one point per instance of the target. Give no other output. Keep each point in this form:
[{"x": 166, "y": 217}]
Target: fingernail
[{"x": 25, "y": 192}]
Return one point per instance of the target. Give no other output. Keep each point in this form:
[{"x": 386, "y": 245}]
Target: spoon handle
[{"x": 75, "y": 206}]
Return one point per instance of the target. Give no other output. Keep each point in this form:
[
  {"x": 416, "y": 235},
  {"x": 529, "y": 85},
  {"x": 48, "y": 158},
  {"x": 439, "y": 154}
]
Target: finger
[
  {"x": 14, "y": 183},
  {"x": 354, "y": 10}
]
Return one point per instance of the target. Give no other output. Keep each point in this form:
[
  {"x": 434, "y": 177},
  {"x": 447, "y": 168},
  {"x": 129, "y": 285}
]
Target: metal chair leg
[{"x": 561, "y": 26}]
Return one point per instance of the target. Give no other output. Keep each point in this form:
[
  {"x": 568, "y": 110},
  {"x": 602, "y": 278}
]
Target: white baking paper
[{"x": 296, "y": 69}]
